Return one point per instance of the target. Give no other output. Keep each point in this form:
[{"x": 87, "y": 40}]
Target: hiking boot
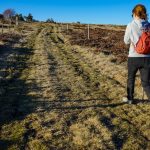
[{"x": 126, "y": 100}]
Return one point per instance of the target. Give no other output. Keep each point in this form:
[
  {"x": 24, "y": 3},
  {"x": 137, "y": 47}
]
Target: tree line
[{"x": 10, "y": 16}]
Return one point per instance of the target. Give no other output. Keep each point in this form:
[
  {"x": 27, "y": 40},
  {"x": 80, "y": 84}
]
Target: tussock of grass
[{"x": 80, "y": 134}]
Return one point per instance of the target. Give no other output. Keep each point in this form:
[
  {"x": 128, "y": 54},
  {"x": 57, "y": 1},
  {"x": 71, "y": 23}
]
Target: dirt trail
[{"x": 67, "y": 97}]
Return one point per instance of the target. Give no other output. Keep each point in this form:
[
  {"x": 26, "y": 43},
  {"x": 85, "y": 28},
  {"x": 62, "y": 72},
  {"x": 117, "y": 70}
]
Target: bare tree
[{"x": 9, "y": 14}]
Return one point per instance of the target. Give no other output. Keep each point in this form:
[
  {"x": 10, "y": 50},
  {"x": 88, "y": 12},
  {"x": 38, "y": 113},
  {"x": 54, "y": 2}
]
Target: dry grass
[{"x": 62, "y": 96}]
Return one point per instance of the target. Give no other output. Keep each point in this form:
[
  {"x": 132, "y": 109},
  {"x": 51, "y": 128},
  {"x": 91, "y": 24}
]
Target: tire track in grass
[
  {"x": 91, "y": 64},
  {"x": 95, "y": 80},
  {"x": 68, "y": 61},
  {"x": 103, "y": 64},
  {"x": 68, "y": 81},
  {"x": 77, "y": 56},
  {"x": 53, "y": 51},
  {"x": 83, "y": 70},
  {"x": 57, "y": 86},
  {"x": 53, "y": 89}
]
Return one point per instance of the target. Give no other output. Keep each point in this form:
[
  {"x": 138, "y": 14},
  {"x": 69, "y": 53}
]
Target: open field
[{"x": 60, "y": 91}]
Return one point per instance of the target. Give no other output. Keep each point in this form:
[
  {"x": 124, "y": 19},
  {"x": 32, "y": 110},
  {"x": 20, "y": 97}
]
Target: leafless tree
[{"x": 9, "y": 14}]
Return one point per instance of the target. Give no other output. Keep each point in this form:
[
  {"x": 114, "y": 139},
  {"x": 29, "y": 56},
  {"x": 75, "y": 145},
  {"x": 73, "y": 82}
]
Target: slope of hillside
[
  {"x": 63, "y": 96},
  {"x": 104, "y": 39}
]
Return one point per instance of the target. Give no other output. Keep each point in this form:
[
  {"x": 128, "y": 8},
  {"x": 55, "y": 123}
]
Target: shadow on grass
[
  {"x": 141, "y": 101},
  {"x": 60, "y": 105},
  {"x": 119, "y": 136},
  {"x": 119, "y": 133},
  {"x": 14, "y": 100},
  {"x": 16, "y": 104},
  {"x": 13, "y": 94},
  {"x": 48, "y": 105},
  {"x": 4, "y": 144}
]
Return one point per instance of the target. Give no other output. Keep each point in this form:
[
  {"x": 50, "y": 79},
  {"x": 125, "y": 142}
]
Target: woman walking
[{"x": 137, "y": 61}]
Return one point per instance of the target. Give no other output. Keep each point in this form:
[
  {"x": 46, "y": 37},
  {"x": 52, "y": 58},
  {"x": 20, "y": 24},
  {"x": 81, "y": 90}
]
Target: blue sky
[{"x": 85, "y": 11}]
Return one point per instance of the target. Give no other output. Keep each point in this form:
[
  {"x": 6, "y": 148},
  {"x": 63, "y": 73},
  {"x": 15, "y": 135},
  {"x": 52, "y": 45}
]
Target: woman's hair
[{"x": 140, "y": 11}]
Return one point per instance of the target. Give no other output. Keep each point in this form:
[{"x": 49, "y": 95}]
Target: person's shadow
[{"x": 141, "y": 101}]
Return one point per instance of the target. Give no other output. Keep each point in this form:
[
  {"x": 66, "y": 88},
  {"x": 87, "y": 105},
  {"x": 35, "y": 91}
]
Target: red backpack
[{"x": 143, "y": 44}]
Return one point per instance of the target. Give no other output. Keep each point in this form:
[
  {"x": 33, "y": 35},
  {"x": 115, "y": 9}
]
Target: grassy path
[{"x": 62, "y": 96}]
